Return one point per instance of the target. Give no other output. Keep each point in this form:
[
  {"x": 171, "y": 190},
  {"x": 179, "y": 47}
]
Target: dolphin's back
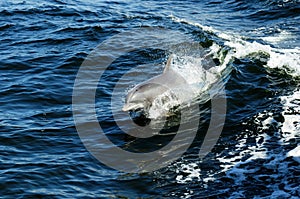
[
  {"x": 169, "y": 78},
  {"x": 169, "y": 82}
]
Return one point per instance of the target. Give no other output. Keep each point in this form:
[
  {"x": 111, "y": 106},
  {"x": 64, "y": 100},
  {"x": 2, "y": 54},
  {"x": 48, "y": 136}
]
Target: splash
[{"x": 197, "y": 67}]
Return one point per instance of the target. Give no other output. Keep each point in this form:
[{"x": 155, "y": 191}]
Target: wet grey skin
[{"x": 143, "y": 94}]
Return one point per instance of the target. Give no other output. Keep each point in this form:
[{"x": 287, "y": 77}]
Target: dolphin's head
[{"x": 142, "y": 96}]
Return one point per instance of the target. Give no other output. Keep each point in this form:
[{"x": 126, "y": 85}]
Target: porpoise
[{"x": 142, "y": 95}]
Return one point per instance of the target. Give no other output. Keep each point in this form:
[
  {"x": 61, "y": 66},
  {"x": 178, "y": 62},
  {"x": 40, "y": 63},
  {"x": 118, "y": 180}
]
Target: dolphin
[{"x": 142, "y": 95}]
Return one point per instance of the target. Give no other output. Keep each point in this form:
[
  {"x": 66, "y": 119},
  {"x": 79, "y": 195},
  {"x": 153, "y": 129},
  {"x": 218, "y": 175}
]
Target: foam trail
[{"x": 279, "y": 58}]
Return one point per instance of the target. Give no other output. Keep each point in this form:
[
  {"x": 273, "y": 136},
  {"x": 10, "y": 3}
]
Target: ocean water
[{"x": 255, "y": 47}]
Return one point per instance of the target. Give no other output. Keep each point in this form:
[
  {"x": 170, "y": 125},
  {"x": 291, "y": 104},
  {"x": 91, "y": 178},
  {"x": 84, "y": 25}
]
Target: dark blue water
[{"x": 44, "y": 43}]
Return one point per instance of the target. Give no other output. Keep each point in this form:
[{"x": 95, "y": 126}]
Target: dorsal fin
[{"x": 168, "y": 65}]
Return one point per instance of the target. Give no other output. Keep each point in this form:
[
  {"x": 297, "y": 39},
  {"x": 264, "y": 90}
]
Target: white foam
[
  {"x": 295, "y": 153},
  {"x": 291, "y": 124},
  {"x": 291, "y": 113},
  {"x": 191, "y": 172},
  {"x": 232, "y": 162},
  {"x": 279, "y": 58},
  {"x": 283, "y": 35}
]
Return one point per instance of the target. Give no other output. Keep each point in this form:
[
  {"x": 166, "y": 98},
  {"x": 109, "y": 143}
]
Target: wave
[{"x": 241, "y": 47}]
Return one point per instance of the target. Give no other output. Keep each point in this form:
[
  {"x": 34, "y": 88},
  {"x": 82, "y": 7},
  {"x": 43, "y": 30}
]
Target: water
[{"x": 43, "y": 45}]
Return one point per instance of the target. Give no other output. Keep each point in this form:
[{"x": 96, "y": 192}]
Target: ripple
[{"x": 43, "y": 45}]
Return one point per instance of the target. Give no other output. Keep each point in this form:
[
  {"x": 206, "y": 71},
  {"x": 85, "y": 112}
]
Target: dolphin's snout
[
  {"x": 125, "y": 108},
  {"x": 130, "y": 107}
]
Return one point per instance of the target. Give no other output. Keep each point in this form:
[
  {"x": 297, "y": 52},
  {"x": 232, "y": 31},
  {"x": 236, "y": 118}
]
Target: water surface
[{"x": 43, "y": 45}]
